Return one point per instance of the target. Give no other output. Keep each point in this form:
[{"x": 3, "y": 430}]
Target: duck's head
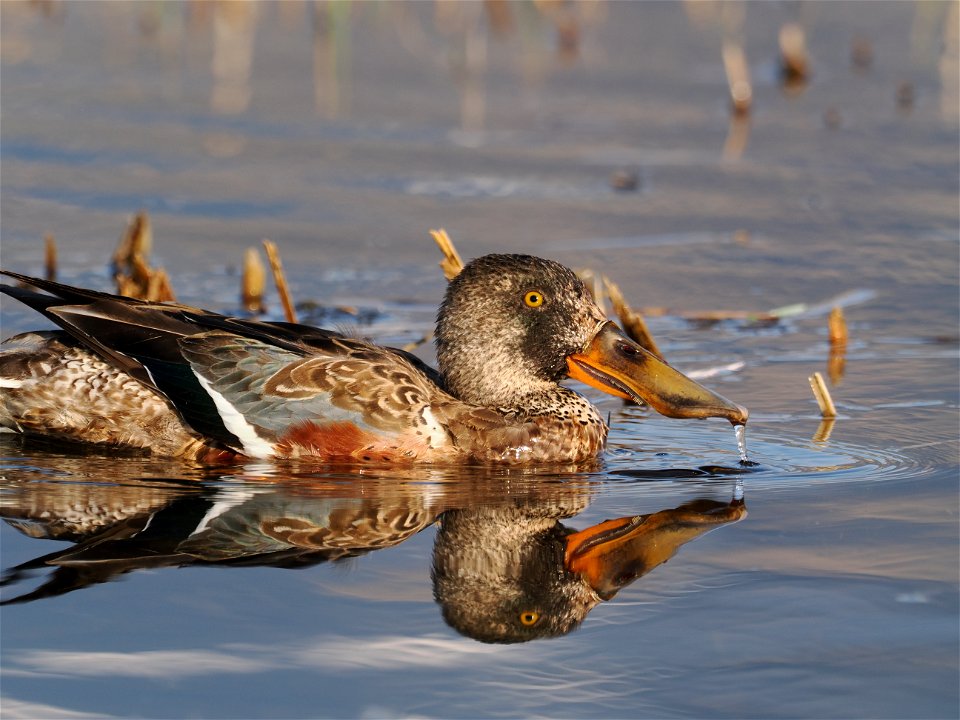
[{"x": 513, "y": 326}]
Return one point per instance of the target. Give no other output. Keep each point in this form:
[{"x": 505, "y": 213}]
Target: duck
[{"x": 179, "y": 381}]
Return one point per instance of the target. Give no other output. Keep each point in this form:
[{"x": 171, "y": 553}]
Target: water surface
[{"x": 821, "y": 582}]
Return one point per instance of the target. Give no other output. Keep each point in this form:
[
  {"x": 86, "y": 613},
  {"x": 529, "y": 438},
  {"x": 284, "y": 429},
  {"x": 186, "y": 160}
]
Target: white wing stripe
[{"x": 253, "y": 444}]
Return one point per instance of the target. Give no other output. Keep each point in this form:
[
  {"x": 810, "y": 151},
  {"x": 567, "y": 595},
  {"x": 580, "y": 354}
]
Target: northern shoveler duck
[{"x": 190, "y": 383}]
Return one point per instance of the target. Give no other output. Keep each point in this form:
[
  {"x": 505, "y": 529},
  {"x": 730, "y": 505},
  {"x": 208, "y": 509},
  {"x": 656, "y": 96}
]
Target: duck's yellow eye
[
  {"x": 533, "y": 299},
  {"x": 529, "y": 617}
]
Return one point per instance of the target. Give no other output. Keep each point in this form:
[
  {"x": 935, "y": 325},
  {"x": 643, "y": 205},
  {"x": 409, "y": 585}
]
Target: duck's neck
[{"x": 502, "y": 384}]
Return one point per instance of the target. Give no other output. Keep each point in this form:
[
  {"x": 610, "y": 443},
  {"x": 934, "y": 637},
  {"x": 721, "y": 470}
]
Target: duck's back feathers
[
  {"x": 262, "y": 389},
  {"x": 346, "y": 397}
]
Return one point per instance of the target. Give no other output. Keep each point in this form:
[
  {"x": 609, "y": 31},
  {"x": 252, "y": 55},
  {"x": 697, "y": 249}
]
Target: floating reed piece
[
  {"x": 632, "y": 321},
  {"x": 50, "y": 257},
  {"x": 625, "y": 180},
  {"x": 273, "y": 256},
  {"x": 738, "y": 77},
  {"x": 822, "y": 395},
  {"x": 794, "y": 62},
  {"x": 861, "y": 53},
  {"x": 905, "y": 95},
  {"x": 253, "y": 282},
  {"x": 451, "y": 263}
]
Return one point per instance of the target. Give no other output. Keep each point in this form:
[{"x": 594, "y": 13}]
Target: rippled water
[{"x": 820, "y": 580}]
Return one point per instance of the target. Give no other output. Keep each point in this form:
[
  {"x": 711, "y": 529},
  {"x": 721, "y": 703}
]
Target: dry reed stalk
[
  {"x": 794, "y": 62},
  {"x": 451, "y": 266},
  {"x": 273, "y": 256},
  {"x": 499, "y": 17},
  {"x": 632, "y": 321},
  {"x": 159, "y": 288},
  {"x": 594, "y": 282},
  {"x": 253, "y": 282},
  {"x": 738, "y": 77},
  {"x": 837, "y": 326},
  {"x": 50, "y": 257},
  {"x": 145, "y": 282},
  {"x": 822, "y": 395},
  {"x": 861, "y": 53},
  {"x": 139, "y": 274},
  {"x": 131, "y": 272},
  {"x": 451, "y": 263},
  {"x": 137, "y": 239}
]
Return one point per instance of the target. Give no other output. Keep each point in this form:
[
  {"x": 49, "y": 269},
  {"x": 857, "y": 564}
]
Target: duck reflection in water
[
  {"x": 505, "y": 568},
  {"x": 515, "y": 573}
]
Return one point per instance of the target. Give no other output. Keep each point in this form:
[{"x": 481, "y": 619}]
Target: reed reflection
[{"x": 504, "y": 569}]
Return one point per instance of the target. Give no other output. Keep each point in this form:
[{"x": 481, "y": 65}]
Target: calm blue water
[{"x": 822, "y": 582}]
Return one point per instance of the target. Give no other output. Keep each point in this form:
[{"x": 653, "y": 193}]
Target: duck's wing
[
  {"x": 259, "y": 388},
  {"x": 346, "y": 399},
  {"x": 138, "y": 338}
]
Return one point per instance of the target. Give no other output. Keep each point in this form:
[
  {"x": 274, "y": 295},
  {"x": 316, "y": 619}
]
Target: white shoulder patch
[{"x": 253, "y": 444}]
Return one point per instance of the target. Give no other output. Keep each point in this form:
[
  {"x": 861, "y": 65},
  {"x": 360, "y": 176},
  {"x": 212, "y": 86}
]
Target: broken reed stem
[
  {"x": 136, "y": 240},
  {"x": 822, "y": 395},
  {"x": 738, "y": 77},
  {"x": 253, "y": 282},
  {"x": 793, "y": 53},
  {"x": 594, "y": 282},
  {"x": 50, "y": 257},
  {"x": 159, "y": 288},
  {"x": 273, "y": 255},
  {"x": 131, "y": 272},
  {"x": 631, "y": 320},
  {"x": 451, "y": 263}
]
